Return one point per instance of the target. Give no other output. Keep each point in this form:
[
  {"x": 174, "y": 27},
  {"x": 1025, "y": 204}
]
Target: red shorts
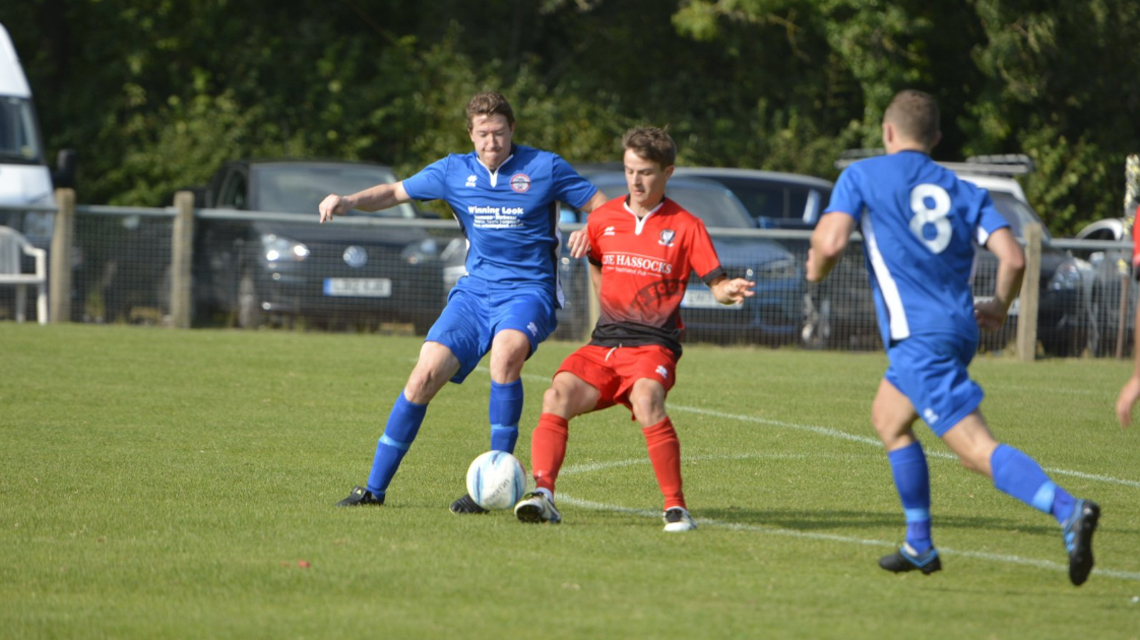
[{"x": 613, "y": 370}]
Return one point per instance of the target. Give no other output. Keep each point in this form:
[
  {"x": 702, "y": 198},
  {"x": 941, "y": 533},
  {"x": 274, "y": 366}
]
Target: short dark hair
[
  {"x": 915, "y": 114},
  {"x": 488, "y": 103},
  {"x": 651, "y": 143}
]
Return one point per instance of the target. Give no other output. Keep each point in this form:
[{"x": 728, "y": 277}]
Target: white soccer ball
[{"x": 496, "y": 480}]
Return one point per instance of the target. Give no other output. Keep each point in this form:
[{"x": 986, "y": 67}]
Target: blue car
[{"x": 773, "y": 316}]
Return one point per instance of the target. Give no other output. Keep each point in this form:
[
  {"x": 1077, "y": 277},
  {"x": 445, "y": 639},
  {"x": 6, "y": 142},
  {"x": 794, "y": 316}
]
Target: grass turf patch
[{"x": 177, "y": 484}]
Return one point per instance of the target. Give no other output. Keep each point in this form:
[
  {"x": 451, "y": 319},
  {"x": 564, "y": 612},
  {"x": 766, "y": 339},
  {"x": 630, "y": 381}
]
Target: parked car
[
  {"x": 1064, "y": 289},
  {"x": 249, "y": 268},
  {"x": 774, "y": 200},
  {"x": 25, "y": 178},
  {"x": 773, "y": 316},
  {"x": 1115, "y": 290},
  {"x": 1064, "y": 315},
  {"x": 839, "y": 312}
]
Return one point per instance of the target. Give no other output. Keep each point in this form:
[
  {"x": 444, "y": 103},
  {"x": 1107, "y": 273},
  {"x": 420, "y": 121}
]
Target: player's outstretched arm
[
  {"x": 827, "y": 244},
  {"x": 578, "y": 243},
  {"x": 381, "y": 196},
  {"x": 596, "y": 201},
  {"x": 991, "y": 314},
  {"x": 1130, "y": 392},
  {"x": 732, "y": 291}
]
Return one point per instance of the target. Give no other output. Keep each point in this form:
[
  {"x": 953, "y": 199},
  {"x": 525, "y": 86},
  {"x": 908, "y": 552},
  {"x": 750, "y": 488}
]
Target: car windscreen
[
  {"x": 771, "y": 200},
  {"x": 18, "y": 140},
  {"x": 716, "y": 208},
  {"x": 709, "y": 201},
  {"x": 1017, "y": 213},
  {"x": 300, "y": 188}
]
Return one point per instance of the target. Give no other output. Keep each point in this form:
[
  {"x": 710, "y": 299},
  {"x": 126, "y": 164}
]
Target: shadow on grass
[{"x": 829, "y": 519}]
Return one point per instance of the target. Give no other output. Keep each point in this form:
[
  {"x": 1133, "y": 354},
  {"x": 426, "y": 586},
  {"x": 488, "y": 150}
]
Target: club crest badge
[
  {"x": 666, "y": 238},
  {"x": 520, "y": 182}
]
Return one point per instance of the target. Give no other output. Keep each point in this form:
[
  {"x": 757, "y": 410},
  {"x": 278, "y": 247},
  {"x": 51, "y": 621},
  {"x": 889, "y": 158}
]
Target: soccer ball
[{"x": 496, "y": 480}]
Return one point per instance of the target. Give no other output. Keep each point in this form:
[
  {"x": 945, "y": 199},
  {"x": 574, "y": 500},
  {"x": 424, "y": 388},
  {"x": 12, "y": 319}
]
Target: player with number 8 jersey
[{"x": 920, "y": 224}]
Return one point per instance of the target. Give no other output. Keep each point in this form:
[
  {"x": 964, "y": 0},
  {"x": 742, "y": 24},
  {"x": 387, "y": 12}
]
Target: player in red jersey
[
  {"x": 1130, "y": 393},
  {"x": 642, "y": 249}
]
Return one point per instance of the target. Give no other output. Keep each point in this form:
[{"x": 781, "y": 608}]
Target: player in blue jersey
[
  {"x": 505, "y": 197},
  {"x": 919, "y": 225}
]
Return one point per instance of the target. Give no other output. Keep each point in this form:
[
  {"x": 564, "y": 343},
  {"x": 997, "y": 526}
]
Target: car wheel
[{"x": 249, "y": 312}]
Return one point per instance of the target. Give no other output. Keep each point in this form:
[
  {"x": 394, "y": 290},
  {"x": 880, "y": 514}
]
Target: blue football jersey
[
  {"x": 510, "y": 216},
  {"x": 920, "y": 224}
]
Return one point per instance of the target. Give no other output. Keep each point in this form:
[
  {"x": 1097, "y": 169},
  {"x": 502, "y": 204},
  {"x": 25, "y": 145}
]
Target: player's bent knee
[
  {"x": 976, "y": 459},
  {"x": 892, "y": 436},
  {"x": 419, "y": 389},
  {"x": 507, "y": 360},
  {"x": 424, "y": 384},
  {"x": 647, "y": 410},
  {"x": 554, "y": 401}
]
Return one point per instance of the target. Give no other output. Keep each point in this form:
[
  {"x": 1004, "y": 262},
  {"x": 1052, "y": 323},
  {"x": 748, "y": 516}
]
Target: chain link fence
[{"x": 253, "y": 270}]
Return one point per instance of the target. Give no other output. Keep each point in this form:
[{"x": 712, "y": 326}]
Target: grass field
[{"x": 172, "y": 484}]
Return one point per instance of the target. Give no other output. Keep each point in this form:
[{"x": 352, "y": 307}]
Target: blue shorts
[
  {"x": 930, "y": 370},
  {"x": 475, "y": 314}
]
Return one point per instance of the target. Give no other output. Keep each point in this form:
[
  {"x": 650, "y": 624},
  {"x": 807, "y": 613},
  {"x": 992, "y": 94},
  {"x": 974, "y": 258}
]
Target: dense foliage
[{"x": 154, "y": 94}]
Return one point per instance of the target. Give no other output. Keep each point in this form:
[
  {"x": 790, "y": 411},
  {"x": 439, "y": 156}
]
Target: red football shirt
[
  {"x": 646, "y": 266},
  {"x": 1136, "y": 245}
]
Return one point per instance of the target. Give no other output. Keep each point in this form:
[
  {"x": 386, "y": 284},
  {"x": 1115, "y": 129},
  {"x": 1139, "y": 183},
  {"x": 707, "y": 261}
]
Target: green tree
[{"x": 155, "y": 94}]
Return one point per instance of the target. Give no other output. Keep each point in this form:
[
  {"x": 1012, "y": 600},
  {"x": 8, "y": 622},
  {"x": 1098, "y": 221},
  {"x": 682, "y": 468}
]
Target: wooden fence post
[
  {"x": 1030, "y": 295},
  {"x": 182, "y": 249},
  {"x": 59, "y": 272}
]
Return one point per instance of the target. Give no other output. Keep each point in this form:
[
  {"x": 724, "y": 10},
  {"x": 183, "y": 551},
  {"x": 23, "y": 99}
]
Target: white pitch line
[
  {"x": 835, "y": 433},
  {"x": 827, "y": 431},
  {"x": 827, "y": 537},
  {"x": 843, "y": 435},
  {"x": 1074, "y": 392}
]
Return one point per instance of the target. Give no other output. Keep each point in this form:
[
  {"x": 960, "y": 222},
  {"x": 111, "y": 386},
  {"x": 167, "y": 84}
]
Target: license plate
[
  {"x": 703, "y": 299},
  {"x": 358, "y": 287}
]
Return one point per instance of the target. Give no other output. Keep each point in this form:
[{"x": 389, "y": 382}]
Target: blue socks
[
  {"x": 406, "y": 417},
  {"x": 1021, "y": 477},
  {"x": 403, "y": 424},
  {"x": 504, "y": 410},
  {"x": 912, "y": 480}
]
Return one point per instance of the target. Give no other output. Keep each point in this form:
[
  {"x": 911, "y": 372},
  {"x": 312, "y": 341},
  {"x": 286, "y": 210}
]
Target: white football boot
[
  {"x": 678, "y": 519},
  {"x": 536, "y": 507}
]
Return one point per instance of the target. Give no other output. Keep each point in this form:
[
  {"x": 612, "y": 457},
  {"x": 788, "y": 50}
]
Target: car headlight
[
  {"x": 418, "y": 252},
  {"x": 776, "y": 270},
  {"x": 278, "y": 249},
  {"x": 1066, "y": 278}
]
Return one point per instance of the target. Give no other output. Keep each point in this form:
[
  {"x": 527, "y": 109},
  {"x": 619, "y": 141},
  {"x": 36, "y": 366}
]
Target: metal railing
[{"x": 181, "y": 267}]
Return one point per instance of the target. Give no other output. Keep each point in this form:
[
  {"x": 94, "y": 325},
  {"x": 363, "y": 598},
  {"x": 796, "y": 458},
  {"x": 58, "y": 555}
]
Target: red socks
[
  {"x": 665, "y": 454},
  {"x": 548, "y": 449}
]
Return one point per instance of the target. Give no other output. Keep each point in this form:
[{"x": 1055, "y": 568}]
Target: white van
[{"x": 24, "y": 175}]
